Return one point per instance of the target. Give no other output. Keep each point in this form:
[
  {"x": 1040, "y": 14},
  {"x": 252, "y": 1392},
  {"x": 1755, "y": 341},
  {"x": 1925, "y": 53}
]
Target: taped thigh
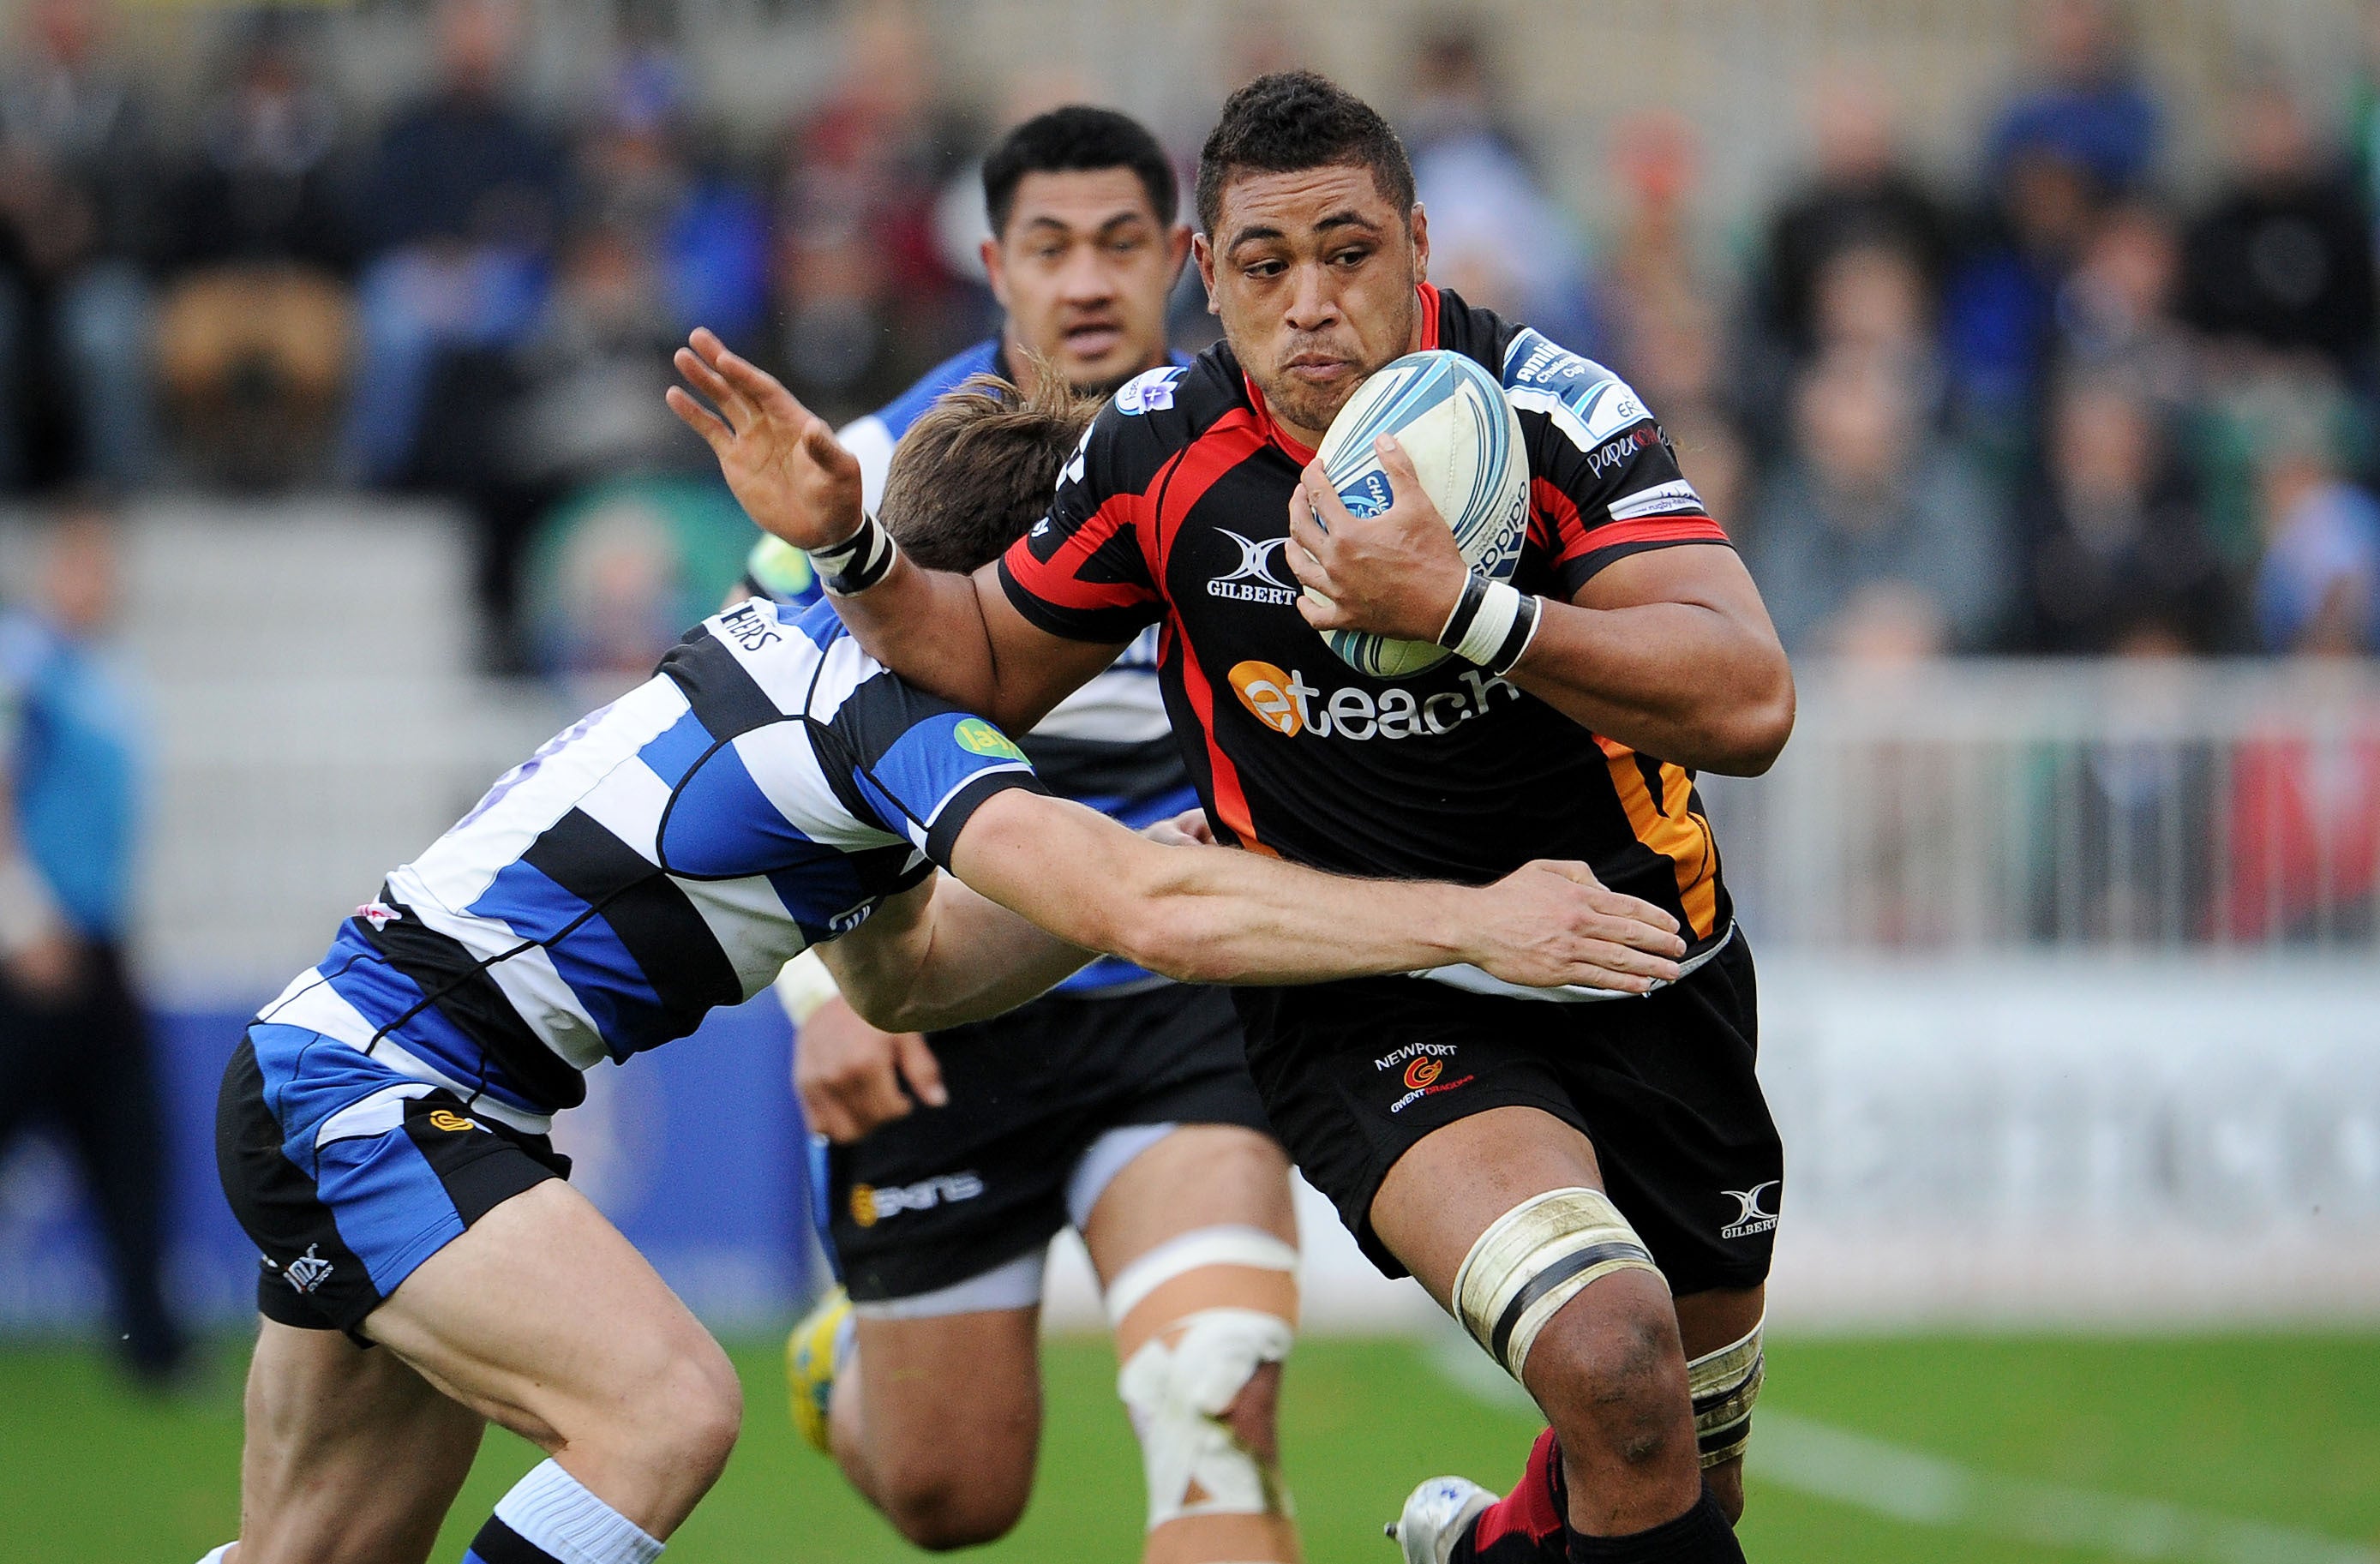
[
  {"x": 1535, "y": 1258},
  {"x": 1195, "y": 1320},
  {"x": 1724, "y": 1385}
]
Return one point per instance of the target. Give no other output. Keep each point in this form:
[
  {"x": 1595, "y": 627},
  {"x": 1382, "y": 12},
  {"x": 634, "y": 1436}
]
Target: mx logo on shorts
[
  {"x": 1749, "y": 1217},
  {"x": 305, "y": 1272}
]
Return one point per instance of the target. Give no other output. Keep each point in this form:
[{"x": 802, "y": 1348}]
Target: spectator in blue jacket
[{"x": 74, "y": 1045}]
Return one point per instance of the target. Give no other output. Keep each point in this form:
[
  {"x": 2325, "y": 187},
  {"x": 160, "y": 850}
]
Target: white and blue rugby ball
[{"x": 1464, "y": 442}]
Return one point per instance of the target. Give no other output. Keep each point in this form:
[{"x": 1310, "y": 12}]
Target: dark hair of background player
[
  {"x": 1070, "y": 139},
  {"x": 978, "y": 469},
  {"x": 1296, "y": 119}
]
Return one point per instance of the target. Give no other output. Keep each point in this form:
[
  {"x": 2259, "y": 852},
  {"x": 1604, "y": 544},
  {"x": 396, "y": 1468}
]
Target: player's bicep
[
  {"x": 1703, "y": 577},
  {"x": 1064, "y": 868},
  {"x": 1035, "y": 668}
]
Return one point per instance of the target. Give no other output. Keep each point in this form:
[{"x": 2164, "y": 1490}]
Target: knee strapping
[
  {"x": 1195, "y": 1320},
  {"x": 1535, "y": 1258},
  {"x": 1724, "y": 1385}
]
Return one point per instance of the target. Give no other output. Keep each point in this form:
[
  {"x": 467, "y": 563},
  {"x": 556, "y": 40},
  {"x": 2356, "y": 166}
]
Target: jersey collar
[{"x": 1298, "y": 450}]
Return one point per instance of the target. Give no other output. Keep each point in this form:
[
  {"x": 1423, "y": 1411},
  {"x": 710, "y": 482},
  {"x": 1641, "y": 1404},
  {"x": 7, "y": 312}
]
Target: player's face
[
  {"x": 1313, "y": 274},
  {"x": 1084, "y": 270}
]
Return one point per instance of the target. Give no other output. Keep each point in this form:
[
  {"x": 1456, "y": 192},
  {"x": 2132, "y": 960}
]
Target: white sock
[{"x": 551, "y": 1511}]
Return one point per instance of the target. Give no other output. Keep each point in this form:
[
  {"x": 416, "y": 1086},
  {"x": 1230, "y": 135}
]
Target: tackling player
[
  {"x": 1590, "y": 1188},
  {"x": 381, "y": 1130},
  {"x": 1121, "y": 1103}
]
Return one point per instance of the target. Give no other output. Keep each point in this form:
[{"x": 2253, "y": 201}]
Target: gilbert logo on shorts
[
  {"x": 1423, "y": 1068},
  {"x": 1749, "y": 1217},
  {"x": 1284, "y": 701},
  {"x": 871, "y": 1204}
]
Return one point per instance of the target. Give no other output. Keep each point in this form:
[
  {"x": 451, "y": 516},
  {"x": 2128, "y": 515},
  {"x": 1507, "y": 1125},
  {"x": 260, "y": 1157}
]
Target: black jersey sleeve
[
  {"x": 1604, "y": 480},
  {"x": 1087, "y": 571}
]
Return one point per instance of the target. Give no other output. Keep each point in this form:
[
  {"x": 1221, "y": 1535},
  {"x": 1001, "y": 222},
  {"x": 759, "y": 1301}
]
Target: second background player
[{"x": 1120, "y": 1104}]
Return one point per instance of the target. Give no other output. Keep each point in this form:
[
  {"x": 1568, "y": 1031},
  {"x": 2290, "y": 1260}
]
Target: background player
[
  {"x": 1578, "y": 1165},
  {"x": 1121, "y": 1102},
  {"x": 381, "y": 1130}
]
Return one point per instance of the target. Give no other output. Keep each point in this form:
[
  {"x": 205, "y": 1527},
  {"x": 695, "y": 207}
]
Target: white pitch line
[{"x": 1925, "y": 1490}]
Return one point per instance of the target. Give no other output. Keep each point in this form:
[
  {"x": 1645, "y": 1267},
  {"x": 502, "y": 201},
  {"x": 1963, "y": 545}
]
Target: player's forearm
[
  {"x": 966, "y": 959},
  {"x": 1219, "y": 915},
  {"x": 982, "y": 961},
  {"x": 1694, "y": 684}
]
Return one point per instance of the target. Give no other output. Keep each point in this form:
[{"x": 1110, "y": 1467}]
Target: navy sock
[{"x": 1701, "y": 1535}]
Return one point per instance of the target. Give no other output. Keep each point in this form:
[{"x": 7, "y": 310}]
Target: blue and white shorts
[{"x": 347, "y": 1174}]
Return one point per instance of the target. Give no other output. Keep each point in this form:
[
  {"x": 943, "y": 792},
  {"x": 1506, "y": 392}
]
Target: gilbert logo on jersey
[
  {"x": 1254, "y": 581},
  {"x": 1284, "y": 701}
]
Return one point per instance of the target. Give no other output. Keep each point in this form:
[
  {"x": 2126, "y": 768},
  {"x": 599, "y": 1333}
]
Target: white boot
[{"x": 1437, "y": 1515}]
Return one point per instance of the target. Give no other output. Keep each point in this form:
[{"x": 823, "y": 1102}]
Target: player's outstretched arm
[
  {"x": 1213, "y": 915},
  {"x": 956, "y": 635},
  {"x": 939, "y": 955}
]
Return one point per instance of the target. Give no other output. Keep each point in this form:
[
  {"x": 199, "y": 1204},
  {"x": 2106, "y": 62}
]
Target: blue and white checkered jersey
[
  {"x": 1108, "y": 745},
  {"x": 764, "y": 792}
]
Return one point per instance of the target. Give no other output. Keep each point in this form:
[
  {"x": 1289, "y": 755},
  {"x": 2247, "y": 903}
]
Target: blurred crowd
[{"x": 2047, "y": 406}]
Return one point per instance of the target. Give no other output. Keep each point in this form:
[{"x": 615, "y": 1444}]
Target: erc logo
[
  {"x": 1284, "y": 701},
  {"x": 979, "y": 737}
]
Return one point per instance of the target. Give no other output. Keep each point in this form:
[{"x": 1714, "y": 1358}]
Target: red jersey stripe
[
  {"x": 1229, "y": 441},
  {"x": 1682, "y": 529}
]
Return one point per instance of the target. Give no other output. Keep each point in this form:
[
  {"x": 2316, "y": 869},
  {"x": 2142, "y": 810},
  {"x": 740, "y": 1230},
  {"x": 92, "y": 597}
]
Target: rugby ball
[{"x": 1464, "y": 442}]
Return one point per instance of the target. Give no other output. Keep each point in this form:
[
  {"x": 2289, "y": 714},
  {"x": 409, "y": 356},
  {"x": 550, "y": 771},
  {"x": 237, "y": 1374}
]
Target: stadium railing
[{"x": 2100, "y": 806}]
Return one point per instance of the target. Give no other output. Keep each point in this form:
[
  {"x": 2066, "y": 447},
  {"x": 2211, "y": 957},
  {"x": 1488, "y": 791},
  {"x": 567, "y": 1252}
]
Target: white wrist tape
[
  {"x": 29, "y": 912},
  {"x": 804, "y": 985},
  {"x": 858, "y": 562},
  {"x": 1492, "y": 624}
]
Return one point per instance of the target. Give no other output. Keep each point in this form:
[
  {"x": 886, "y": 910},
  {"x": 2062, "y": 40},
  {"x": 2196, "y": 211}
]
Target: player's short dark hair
[
  {"x": 1297, "y": 119},
  {"x": 1075, "y": 139},
  {"x": 978, "y": 468}
]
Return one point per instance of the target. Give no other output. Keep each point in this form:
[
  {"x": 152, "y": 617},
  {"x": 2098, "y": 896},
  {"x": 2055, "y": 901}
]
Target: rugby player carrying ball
[
  {"x": 381, "y": 1131},
  {"x": 1589, "y": 1187}
]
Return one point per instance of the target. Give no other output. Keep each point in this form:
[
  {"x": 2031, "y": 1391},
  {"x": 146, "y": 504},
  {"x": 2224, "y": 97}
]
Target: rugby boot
[
  {"x": 1437, "y": 1515},
  {"x": 1454, "y": 1520},
  {"x": 814, "y": 1354}
]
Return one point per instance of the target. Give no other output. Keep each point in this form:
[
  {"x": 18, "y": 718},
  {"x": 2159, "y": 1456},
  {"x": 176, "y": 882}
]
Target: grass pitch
[{"x": 1950, "y": 1450}]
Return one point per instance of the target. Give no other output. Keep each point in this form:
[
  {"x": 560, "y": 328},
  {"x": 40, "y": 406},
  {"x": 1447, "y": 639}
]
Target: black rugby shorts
[
  {"x": 1354, "y": 1073},
  {"x": 946, "y": 1194}
]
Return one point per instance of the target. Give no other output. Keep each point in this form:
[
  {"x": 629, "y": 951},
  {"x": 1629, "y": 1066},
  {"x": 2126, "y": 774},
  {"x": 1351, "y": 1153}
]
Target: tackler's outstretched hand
[
  {"x": 1551, "y": 923},
  {"x": 780, "y": 458}
]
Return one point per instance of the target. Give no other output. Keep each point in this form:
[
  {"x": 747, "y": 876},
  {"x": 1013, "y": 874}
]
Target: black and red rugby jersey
[{"x": 1175, "y": 509}]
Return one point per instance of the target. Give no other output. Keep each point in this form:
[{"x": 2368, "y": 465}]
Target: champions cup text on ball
[{"x": 1465, "y": 441}]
